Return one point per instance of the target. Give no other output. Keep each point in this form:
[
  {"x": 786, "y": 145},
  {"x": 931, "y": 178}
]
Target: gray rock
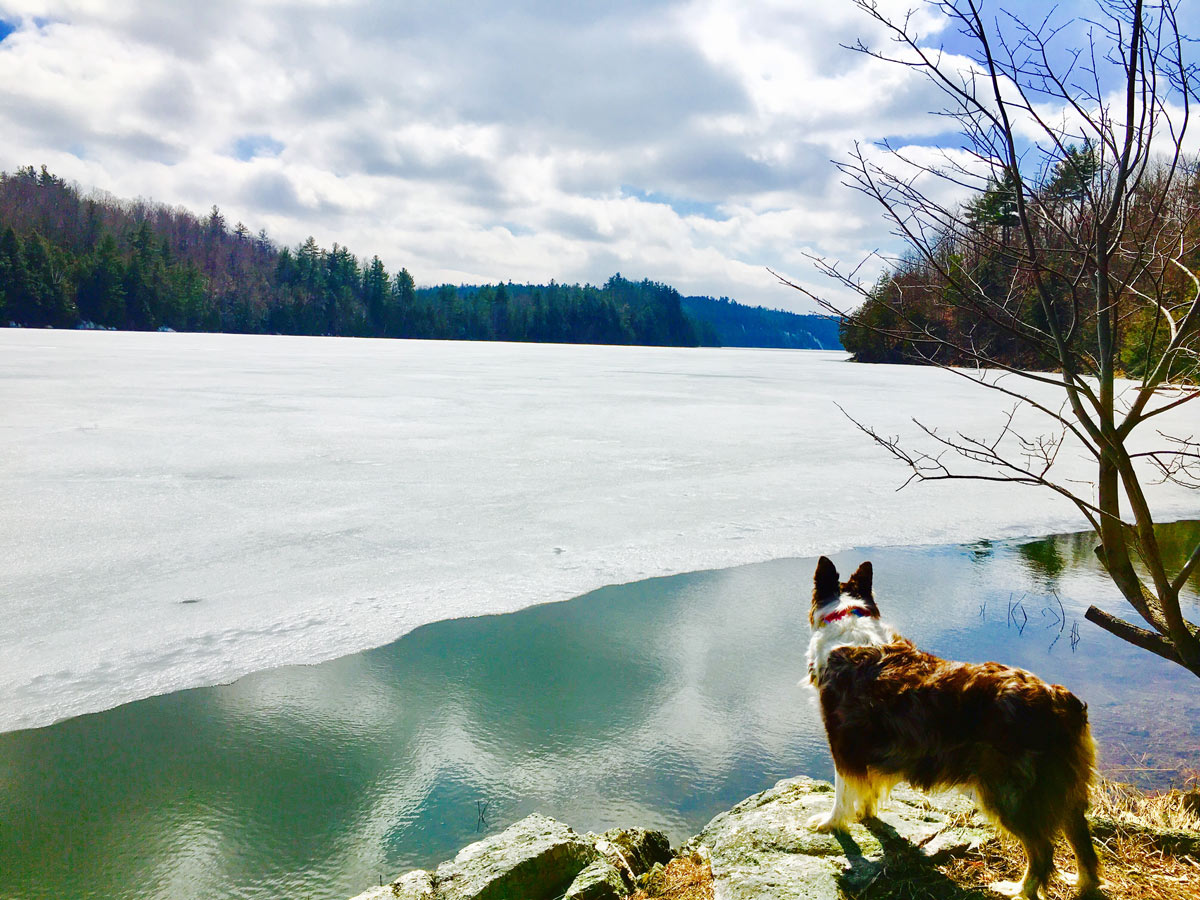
[
  {"x": 763, "y": 847},
  {"x": 377, "y": 893},
  {"x": 416, "y": 885},
  {"x": 599, "y": 881},
  {"x": 1175, "y": 843},
  {"x": 653, "y": 879},
  {"x": 535, "y": 859},
  {"x": 639, "y": 849},
  {"x": 1191, "y": 803}
]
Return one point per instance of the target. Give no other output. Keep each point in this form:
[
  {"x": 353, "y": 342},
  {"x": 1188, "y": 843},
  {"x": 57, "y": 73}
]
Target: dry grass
[
  {"x": 1162, "y": 809},
  {"x": 1136, "y": 863},
  {"x": 1132, "y": 868},
  {"x": 1131, "y": 830},
  {"x": 685, "y": 878}
]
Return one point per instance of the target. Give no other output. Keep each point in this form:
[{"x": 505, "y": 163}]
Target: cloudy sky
[{"x": 687, "y": 142}]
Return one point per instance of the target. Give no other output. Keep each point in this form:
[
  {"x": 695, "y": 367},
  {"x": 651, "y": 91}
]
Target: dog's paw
[
  {"x": 1014, "y": 889},
  {"x": 1085, "y": 886},
  {"x": 826, "y": 824}
]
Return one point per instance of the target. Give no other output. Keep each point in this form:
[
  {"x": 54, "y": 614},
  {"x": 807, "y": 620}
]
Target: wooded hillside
[
  {"x": 68, "y": 260},
  {"x": 738, "y": 325},
  {"x": 918, "y": 313}
]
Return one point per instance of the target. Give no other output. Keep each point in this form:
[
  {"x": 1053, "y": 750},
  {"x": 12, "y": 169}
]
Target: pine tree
[
  {"x": 404, "y": 296},
  {"x": 100, "y": 294},
  {"x": 48, "y": 300},
  {"x": 376, "y": 295}
]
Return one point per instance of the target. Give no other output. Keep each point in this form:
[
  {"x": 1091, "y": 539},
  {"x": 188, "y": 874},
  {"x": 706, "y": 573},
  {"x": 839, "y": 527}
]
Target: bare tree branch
[{"x": 1075, "y": 260}]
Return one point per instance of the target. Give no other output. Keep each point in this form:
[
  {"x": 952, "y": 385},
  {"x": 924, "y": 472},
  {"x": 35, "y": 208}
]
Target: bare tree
[{"x": 1077, "y": 256}]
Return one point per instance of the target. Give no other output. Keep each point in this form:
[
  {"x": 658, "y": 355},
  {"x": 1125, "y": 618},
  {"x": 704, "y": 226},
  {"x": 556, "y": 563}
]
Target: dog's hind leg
[
  {"x": 845, "y": 806},
  {"x": 1080, "y": 837},
  {"x": 1022, "y": 813},
  {"x": 1041, "y": 865},
  {"x": 1040, "y": 851}
]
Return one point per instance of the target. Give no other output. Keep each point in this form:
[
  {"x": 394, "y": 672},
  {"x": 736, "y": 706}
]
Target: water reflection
[{"x": 657, "y": 703}]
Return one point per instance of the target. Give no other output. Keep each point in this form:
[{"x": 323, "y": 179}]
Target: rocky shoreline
[{"x": 760, "y": 848}]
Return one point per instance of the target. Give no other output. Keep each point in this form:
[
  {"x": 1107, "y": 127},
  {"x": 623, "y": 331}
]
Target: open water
[{"x": 657, "y": 703}]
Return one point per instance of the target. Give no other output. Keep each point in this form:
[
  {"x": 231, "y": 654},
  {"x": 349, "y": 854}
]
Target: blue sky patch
[
  {"x": 251, "y": 145},
  {"x": 517, "y": 230},
  {"x": 6, "y": 28},
  {"x": 681, "y": 205}
]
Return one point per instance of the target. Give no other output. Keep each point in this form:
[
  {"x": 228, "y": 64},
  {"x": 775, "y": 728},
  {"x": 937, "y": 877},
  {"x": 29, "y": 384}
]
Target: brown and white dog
[{"x": 894, "y": 713}]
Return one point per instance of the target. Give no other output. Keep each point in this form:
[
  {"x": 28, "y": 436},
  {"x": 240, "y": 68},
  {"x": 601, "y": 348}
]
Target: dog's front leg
[{"x": 845, "y": 804}]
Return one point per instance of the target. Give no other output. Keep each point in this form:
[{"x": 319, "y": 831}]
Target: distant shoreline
[{"x": 70, "y": 260}]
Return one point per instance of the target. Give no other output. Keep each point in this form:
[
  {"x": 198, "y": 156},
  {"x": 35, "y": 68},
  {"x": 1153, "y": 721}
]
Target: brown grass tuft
[
  {"x": 1164, "y": 809},
  {"x": 1136, "y": 863},
  {"x": 684, "y": 878}
]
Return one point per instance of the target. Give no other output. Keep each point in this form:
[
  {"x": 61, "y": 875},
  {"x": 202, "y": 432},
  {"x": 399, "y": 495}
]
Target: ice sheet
[{"x": 179, "y": 510}]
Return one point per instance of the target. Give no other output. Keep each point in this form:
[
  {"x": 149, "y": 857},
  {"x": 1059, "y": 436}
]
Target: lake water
[{"x": 656, "y": 703}]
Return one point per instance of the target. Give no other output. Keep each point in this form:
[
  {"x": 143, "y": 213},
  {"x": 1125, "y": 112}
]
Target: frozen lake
[{"x": 179, "y": 510}]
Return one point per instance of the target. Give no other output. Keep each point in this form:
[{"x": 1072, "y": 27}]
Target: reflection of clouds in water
[
  {"x": 316, "y": 698},
  {"x": 727, "y": 653},
  {"x": 400, "y": 801},
  {"x": 657, "y": 703},
  {"x": 199, "y": 853},
  {"x": 736, "y": 646}
]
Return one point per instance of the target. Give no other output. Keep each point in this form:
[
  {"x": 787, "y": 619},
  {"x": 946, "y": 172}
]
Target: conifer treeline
[{"x": 67, "y": 259}]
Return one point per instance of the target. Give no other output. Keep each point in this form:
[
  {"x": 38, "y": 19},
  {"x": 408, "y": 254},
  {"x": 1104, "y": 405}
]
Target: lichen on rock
[
  {"x": 763, "y": 847},
  {"x": 760, "y": 848},
  {"x": 600, "y": 880}
]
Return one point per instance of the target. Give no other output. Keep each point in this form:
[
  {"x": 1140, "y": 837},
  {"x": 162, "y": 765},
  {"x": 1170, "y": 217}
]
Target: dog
[{"x": 894, "y": 713}]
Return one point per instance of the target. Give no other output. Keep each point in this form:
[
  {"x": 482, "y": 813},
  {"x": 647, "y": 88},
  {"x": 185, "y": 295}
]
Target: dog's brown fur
[{"x": 893, "y": 712}]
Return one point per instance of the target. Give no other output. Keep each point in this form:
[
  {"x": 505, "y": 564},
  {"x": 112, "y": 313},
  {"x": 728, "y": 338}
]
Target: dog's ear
[
  {"x": 825, "y": 581},
  {"x": 825, "y": 585},
  {"x": 859, "y": 586}
]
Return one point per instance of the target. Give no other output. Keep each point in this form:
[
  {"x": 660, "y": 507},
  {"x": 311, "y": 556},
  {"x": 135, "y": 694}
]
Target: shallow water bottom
[{"x": 658, "y": 703}]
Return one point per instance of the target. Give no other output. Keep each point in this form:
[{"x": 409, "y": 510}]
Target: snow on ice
[{"x": 182, "y": 509}]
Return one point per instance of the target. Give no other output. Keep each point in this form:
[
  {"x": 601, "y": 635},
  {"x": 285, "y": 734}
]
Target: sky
[{"x": 685, "y": 142}]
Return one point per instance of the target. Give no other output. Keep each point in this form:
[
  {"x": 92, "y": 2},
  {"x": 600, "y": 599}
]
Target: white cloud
[{"x": 471, "y": 141}]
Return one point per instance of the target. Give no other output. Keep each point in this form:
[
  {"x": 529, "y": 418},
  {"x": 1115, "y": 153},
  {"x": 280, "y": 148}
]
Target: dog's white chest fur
[{"x": 850, "y": 631}]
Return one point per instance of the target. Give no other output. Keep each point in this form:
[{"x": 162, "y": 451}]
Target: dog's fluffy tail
[{"x": 1078, "y": 749}]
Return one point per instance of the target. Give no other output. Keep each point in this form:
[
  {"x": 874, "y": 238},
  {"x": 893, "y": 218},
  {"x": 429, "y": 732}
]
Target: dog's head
[{"x": 829, "y": 592}]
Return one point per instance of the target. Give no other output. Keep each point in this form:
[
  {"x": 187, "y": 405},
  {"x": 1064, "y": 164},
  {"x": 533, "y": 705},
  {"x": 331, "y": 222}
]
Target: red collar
[{"x": 859, "y": 611}]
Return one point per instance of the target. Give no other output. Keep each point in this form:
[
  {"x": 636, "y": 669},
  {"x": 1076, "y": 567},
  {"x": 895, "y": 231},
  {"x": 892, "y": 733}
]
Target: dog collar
[{"x": 858, "y": 611}]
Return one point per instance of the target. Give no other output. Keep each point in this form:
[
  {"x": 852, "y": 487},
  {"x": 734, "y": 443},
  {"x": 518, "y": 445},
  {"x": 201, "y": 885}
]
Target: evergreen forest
[{"x": 71, "y": 260}]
